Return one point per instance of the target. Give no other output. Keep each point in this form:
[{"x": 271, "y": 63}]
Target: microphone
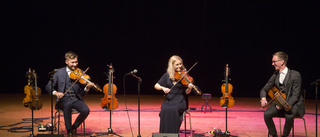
[
  {"x": 132, "y": 72},
  {"x": 54, "y": 71}
]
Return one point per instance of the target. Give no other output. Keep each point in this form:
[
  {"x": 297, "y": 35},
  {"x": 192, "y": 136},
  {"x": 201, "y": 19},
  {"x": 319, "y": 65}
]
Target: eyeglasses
[{"x": 275, "y": 61}]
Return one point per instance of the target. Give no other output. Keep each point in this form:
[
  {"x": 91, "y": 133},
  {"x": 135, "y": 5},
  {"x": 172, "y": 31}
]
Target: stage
[{"x": 244, "y": 119}]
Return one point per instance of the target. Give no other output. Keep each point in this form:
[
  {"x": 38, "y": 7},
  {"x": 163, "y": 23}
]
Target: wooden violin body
[
  {"x": 27, "y": 90},
  {"x": 109, "y": 102},
  {"x": 83, "y": 78},
  {"x": 226, "y": 101},
  {"x": 33, "y": 92},
  {"x": 280, "y": 98},
  {"x": 186, "y": 79}
]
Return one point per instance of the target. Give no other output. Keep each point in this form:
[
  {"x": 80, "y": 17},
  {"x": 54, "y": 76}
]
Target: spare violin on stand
[
  {"x": 36, "y": 103},
  {"x": 226, "y": 101},
  {"x": 109, "y": 102},
  {"x": 33, "y": 92},
  {"x": 28, "y": 89}
]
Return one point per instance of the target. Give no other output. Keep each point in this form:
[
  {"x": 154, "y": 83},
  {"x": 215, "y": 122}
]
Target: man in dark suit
[
  {"x": 72, "y": 99},
  {"x": 289, "y": 82}
]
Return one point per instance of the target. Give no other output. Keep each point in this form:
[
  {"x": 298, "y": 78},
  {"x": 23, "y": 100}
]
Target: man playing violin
[
  {"x": 72, "y": 99},
  {"x": 289, "y": 83},
  {"x": 176, "y": 101}
]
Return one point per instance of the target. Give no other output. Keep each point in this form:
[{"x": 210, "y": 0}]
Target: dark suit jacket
[
  {"x": 59, "y": 84},
  {"x": 292, "y": 84}
]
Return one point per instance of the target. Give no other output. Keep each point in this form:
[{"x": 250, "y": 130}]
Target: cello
[
  {"x": 226, "y": 101},
  {"x": 109, "y": 102}
]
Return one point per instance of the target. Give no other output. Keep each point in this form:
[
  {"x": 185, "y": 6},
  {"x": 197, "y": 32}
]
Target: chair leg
[
  {"x": 293, "y": 128},
  {"x": 84, "y": 128},
  {"x": 185, "y": 123},
  {"x": 280, "y": 126},
  {"x": 58, "y": 122},
  {"x": 190, "y": 125},
  {"x": 305, "y": 127}
]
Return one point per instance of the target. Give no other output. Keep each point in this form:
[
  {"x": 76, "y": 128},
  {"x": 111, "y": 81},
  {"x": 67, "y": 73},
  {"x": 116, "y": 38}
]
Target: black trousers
[
  {"x": 272, "y": 111},
  {"x": 67, "y": 104}
]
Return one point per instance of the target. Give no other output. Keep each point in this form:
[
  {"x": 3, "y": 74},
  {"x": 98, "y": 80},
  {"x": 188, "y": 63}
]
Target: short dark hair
[
  {"x": 283, "y": 56},
  {"x": 70, "y": 55}
]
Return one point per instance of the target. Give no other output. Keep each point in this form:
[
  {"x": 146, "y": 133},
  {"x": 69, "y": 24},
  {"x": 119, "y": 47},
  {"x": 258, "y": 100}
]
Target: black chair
[
  {"x": 297, "y": 117},
  {"x": 74, "y": 111},
  {"x": 185, "y": 113}
]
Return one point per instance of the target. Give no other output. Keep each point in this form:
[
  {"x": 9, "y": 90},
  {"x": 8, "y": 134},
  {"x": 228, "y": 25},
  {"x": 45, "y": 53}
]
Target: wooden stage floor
[{"x": 245, "y": 118}]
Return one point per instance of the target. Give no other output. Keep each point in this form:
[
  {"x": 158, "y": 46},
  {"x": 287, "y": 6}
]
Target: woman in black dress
[{"x": 176, "y": 101}]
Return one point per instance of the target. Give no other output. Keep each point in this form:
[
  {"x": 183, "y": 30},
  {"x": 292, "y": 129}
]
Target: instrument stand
[
  {"x": 206, "y": 96},
  {"x": 53, "y": 125},
  {"x": 110, "y": 131},
  {"x": 226, "y": 133},
  {"x": 32, "y": 119}
]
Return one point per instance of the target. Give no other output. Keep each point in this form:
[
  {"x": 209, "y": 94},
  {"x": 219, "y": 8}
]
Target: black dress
[{"x": 175, "y": 103}]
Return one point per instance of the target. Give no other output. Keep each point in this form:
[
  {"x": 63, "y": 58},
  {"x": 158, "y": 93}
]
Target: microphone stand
[
  {"x": 316, "y": 83},
  {"x": 53, "y": 126},
  {"x": 139, "y": 83}
]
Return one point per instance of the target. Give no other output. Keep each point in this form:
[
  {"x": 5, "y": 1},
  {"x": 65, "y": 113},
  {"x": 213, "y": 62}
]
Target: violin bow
[
  {"x": 76, "y": 80},
  {"x": 184, "y": 74}
]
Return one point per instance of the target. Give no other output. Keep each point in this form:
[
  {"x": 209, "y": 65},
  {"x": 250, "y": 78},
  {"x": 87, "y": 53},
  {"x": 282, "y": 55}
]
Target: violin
[
  {"x": 36, "y": 103},
  {"x": 186, "y": 79},
  {"x": 78, "y": 74},
  {"x": 109, "y": 102},
  {"x": 27, "y": 90},
  {"x": 279, "y": 97},
  {"x": 226, "y": 101}
]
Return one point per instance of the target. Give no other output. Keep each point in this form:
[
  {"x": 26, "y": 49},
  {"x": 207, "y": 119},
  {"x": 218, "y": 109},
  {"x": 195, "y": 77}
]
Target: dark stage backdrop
[{"x": 143, "y": 35}]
